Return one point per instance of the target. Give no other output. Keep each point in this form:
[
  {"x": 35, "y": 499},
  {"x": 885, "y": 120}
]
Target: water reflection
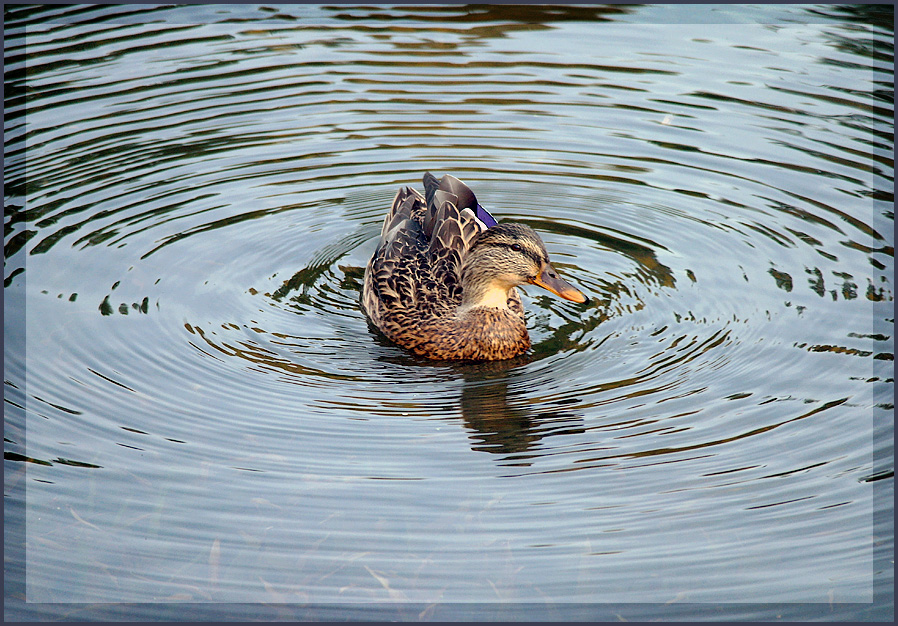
[
  {"x": 507, "y": 422},
  {"x": 503, "y": 19}
]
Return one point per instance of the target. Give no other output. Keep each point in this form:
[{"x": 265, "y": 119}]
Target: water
[{"x": 198, "y": 413}]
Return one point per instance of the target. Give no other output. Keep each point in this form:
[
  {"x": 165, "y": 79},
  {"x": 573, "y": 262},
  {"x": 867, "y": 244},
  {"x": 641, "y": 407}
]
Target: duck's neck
[{"x": 490, "y": 294}]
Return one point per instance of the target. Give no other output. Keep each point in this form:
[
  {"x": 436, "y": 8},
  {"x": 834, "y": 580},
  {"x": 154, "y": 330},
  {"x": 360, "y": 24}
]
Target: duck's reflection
[
  {"x": 498, "y": 405},
  {"x": 504, "y": 419}
]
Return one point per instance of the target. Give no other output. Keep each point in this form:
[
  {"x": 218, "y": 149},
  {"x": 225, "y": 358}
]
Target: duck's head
[{"x": 505, "y": 256}]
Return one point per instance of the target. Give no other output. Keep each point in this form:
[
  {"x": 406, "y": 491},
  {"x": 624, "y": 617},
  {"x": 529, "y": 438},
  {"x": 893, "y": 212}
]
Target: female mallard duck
[{"x": 442, "y": 280}]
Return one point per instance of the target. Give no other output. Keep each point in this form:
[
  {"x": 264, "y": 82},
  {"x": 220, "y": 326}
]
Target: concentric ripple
[{"x": 205, "y": 414}]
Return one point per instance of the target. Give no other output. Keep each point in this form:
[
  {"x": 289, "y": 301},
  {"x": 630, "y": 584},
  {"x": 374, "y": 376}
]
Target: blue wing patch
[{"x": 484, "y": 216}]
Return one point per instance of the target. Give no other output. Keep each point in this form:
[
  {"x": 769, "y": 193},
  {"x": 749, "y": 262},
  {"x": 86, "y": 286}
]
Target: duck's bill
[{"x": 550, "y": 280}]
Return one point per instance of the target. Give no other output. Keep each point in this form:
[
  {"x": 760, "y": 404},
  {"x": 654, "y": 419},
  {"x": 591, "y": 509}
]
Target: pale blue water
[{"x": 200, "y": 422}]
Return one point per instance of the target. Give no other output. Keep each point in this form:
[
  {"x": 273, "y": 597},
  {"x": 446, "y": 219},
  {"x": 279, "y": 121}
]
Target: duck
[{"x": 442, "y": 280}]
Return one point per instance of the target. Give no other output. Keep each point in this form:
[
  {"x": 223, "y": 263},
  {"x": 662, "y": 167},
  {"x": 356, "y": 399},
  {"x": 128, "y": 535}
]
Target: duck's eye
[{"x": 516, "y": 247}]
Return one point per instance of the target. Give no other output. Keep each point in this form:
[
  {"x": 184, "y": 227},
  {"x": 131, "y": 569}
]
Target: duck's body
[{"x": 441, "y": 282}]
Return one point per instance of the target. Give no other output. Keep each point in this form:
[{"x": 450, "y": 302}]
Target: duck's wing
[
  {"x": 389, "y": 277},
  {"x": 403, "y": 222},
  {"x": 418, "y": 260},
  {"x": 449, "y": 224},
  {"x": 465, "y": 198},
  {"x": 452, "y": 221},
  {"x": 449, "y": 188}
]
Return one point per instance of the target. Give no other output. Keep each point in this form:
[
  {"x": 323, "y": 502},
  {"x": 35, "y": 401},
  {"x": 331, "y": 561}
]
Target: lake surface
[{"x": 200, "y": 422}]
